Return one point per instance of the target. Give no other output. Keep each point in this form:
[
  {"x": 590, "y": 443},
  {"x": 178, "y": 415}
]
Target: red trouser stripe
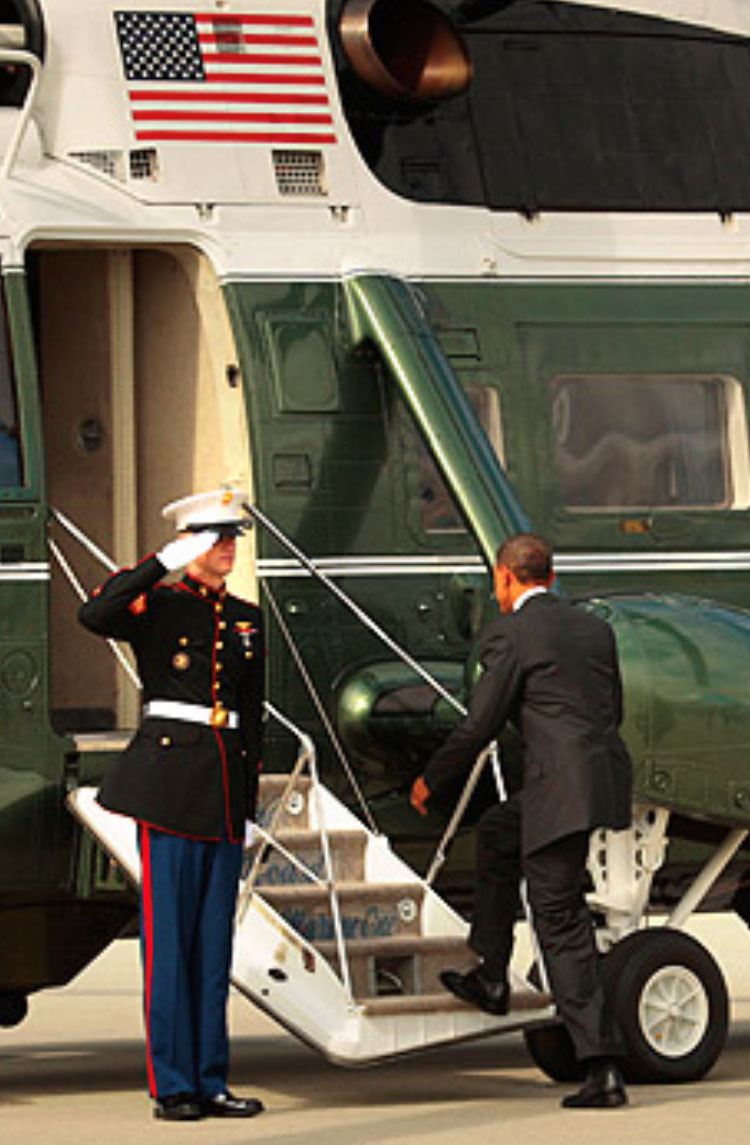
[{"x": 147, "y": 938}]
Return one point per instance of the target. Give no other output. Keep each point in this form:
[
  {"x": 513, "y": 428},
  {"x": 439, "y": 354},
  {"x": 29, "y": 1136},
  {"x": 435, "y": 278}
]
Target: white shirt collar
[{"x": 537, "y": 590}]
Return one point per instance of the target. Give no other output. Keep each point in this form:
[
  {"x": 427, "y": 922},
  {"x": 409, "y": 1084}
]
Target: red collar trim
[{"x": 203, "y": 591}]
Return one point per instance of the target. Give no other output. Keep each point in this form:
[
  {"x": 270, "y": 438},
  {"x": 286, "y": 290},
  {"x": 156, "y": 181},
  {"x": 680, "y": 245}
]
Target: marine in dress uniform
[
  {"x": 552, "y": 670},
  {"x": 189, "y": 778}
]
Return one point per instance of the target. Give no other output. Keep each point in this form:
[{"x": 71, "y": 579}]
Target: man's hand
[
  {"x": 186, "y": 548},
  {"x": 420, "y": 793}
]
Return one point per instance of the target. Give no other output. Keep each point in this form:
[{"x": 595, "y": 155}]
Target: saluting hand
[{"x": 186, "y": 548}]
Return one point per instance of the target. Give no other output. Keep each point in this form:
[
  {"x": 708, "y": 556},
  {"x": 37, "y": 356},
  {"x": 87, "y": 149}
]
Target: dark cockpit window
[
  {"x": 438, "y": 511},
  {"x": 569, "y": 108},
  {"x": 11, "y": 469}
]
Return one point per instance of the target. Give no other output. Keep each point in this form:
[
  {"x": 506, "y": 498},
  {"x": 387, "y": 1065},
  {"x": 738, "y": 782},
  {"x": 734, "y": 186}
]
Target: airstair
[
  {"x": 342, "y": 943},
  {"x": 336, "y": 937}
]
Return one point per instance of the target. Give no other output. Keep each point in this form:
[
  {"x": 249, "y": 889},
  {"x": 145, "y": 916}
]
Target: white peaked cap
[{"x": 202, "y": 510}]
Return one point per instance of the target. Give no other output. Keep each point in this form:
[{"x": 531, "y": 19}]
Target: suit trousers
[
  {"x": 188, "y": 895},
  {"x": 555, "y": 882}
]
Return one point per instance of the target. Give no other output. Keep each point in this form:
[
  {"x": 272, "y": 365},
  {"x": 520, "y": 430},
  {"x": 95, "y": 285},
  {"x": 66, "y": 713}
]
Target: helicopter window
[
  {"x": 649, "y": 441},
  {"x": 10, "y": 446},
  {"x": 21, "y": 29},
  {"x": 438, "y": 510}
]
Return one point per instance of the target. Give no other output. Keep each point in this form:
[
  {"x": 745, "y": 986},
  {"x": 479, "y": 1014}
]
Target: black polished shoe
[
  {"x": 178, "y": 1107},
  {"x": 227, "y": 1105},
  {"x": 604, "y": 1088},
  {"x": 488, "y": 994}
]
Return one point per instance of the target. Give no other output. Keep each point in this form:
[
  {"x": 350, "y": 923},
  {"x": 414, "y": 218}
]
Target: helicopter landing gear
[{"x": 670, "y": 1001}]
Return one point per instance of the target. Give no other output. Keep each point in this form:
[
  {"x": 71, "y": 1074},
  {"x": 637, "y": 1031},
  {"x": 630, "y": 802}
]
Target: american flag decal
[{"x": 219, "y": 78}]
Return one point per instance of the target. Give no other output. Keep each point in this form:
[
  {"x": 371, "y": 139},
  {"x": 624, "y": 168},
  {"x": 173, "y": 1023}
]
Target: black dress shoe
[
  {"x": 227, "y": 1105},
  {"x": 604, "y": 1088},
  {"x": 178, "y": 1107},
  {"x": 488, "y": 994}
]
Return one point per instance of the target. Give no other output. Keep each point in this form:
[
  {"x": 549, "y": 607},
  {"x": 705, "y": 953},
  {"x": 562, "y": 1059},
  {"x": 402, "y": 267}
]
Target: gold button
[
  {"x": 184, "y": 640},
  {"x": 219, "y": 644},
  {"x": 219, "y": 666},
  {"x": 222, "y": 624},
  {"x": 165, "y": 741},
  {"x": 204, "y": 591}
]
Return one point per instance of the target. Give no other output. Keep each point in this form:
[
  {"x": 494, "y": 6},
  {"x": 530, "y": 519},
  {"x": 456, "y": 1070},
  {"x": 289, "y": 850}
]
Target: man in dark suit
[
  {"x": 552, "y": 670},
  {"x": 189, "y": 778}
]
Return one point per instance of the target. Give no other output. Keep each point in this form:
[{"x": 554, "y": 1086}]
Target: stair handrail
[
  {"x": 307, "y": 757},
  {"x": 441, "y": 851}
]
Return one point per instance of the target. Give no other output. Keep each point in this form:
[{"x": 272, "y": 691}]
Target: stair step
[
  {"x": 521, "y": 1002},
  {"x": 276, "y": 781},
  {"x": 402, "y": 964},
  {"x": 401, "y": 946},
  {"x": 368, "y": 910},
  {"x": 347, "y": 892},
  {"x": 347, "y": 850},
  {"x": 270, "y": 790},
  {"x": 292, "y": 837}
]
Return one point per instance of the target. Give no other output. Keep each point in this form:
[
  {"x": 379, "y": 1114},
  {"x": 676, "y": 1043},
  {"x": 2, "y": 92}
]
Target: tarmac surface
[{"x": 73, "y": 1074}]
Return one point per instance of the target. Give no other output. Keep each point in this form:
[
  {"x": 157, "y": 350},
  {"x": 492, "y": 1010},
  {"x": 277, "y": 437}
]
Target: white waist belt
[{"x": 216, "y": 717}]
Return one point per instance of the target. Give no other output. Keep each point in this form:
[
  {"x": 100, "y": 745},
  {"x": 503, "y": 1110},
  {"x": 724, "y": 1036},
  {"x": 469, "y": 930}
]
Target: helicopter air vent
[
  {"x": 110, "y": 163},
  {"x": 406, "y": 50},
  {"x": 300, "y": 173},
  {"x": 144, "y": 164}
]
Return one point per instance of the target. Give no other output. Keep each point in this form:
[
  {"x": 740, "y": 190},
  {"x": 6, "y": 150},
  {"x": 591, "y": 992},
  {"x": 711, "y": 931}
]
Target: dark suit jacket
[
  {"x": 552, "y": 670},
  {"x": 198, "y": 647}
]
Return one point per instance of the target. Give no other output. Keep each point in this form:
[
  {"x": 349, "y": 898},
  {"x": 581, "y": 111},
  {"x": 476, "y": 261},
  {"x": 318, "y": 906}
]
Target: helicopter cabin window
[
  {"x": 438, "y": 510},
  {"x": 11, "y": 470},
  {"x": 650, "y": 441}
]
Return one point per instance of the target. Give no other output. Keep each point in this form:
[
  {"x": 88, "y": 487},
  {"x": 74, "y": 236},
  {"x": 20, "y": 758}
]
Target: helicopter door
[{"x": 141, "y": 405}]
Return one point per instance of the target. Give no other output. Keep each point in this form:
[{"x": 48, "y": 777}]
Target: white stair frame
[{"x": 286, "y": 976}]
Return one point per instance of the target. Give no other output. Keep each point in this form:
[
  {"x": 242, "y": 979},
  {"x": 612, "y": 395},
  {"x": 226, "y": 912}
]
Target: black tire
[
  {"x": 551, "y": 1049},
  {"x": 670, "y": 1001}
]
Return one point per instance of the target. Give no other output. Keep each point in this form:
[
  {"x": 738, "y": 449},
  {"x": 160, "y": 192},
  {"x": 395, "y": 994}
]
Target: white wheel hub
[{"x": 673, "y": 1011}]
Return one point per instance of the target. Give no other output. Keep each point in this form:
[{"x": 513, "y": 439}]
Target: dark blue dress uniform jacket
[{"x": 195, "y": 646}]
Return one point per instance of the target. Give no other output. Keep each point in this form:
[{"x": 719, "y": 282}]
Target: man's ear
[{"x": 500, "y": 578}]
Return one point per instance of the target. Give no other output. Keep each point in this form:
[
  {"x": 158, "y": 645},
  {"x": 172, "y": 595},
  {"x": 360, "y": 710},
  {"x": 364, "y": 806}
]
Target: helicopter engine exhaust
[{"x": 406, "y": 50}]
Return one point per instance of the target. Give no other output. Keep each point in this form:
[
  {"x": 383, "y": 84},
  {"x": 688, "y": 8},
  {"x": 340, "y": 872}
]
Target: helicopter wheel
[
  {"x": 551, "y": 1049},
  {"x": 670, "y": 1001}
]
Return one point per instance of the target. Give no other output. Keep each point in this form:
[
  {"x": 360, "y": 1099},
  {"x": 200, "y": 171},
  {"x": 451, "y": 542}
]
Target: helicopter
[{"x": 419, "y": 274}]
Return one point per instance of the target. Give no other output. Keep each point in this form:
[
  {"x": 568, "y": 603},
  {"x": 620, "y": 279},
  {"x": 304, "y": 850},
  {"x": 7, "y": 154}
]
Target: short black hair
[{"x": 527, "y": 556}]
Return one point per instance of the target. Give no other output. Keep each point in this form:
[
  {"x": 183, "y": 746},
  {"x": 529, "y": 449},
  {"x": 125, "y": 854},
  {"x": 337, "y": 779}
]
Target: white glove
[
  {"x": 251, "y": 834},
  {"x": 185, "y": 549}
]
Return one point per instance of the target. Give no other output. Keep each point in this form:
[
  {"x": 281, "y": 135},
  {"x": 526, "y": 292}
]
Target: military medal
[{"x": 245, "y": 631}]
